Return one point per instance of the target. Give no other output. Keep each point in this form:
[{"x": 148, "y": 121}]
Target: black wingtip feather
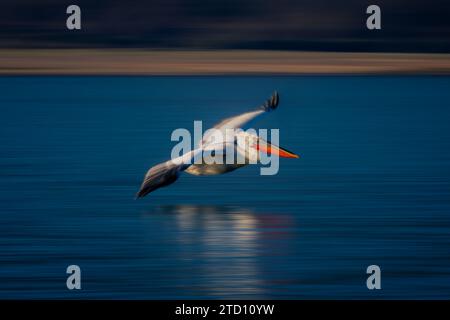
[
  {"x": 272, "y": 102},
  {"x": 159, "y": 176}
]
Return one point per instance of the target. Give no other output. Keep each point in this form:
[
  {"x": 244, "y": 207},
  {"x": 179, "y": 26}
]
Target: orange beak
[{"x": 272, "y": 149}]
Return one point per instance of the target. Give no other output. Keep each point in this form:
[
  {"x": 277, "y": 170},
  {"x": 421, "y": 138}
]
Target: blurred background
[
  {"x": 320, "y": 25},
  {"x": 217, "y": 37}
]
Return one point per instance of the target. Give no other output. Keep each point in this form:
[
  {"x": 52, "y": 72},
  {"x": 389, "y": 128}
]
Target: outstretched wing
[
  {"x": 165, "y": 173},
  {"x": 242, "y": 119}
]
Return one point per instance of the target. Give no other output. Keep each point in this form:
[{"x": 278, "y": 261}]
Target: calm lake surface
[{"x": 372, "y": 186}]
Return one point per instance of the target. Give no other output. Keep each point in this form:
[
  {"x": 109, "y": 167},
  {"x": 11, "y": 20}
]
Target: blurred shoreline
[{"x": 215, "y": 62}]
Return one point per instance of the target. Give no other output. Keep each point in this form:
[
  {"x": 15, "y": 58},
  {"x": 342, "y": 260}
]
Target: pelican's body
[
  {"x": 212, "y": 169},
  {"x": 219, "y": 143}
]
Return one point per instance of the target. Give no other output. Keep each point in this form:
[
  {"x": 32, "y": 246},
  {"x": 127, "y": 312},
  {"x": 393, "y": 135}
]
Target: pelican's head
[{"x": 253, "y": 146}]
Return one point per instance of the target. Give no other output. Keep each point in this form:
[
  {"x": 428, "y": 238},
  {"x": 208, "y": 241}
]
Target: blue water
[{"x": 372, "y": 187}]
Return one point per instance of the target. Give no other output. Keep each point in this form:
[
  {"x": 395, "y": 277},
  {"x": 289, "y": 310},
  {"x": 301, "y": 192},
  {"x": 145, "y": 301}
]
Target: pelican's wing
[
  {"x": 242, "y": 119},
  {"x": 165, "y": 173}
]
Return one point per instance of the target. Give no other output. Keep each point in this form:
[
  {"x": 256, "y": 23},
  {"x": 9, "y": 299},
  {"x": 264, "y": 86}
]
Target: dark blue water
[{"x": 372, "y": 187}]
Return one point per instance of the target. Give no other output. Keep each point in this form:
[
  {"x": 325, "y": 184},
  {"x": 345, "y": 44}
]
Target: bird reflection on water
[{"x": 225, "y": 245}]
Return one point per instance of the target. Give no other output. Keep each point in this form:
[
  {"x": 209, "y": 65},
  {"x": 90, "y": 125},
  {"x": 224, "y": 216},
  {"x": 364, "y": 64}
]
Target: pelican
[{"x": 166, "y": 173}]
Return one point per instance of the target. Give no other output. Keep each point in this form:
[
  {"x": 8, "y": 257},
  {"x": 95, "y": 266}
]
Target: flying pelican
[{"x": 166, "y": 173}]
